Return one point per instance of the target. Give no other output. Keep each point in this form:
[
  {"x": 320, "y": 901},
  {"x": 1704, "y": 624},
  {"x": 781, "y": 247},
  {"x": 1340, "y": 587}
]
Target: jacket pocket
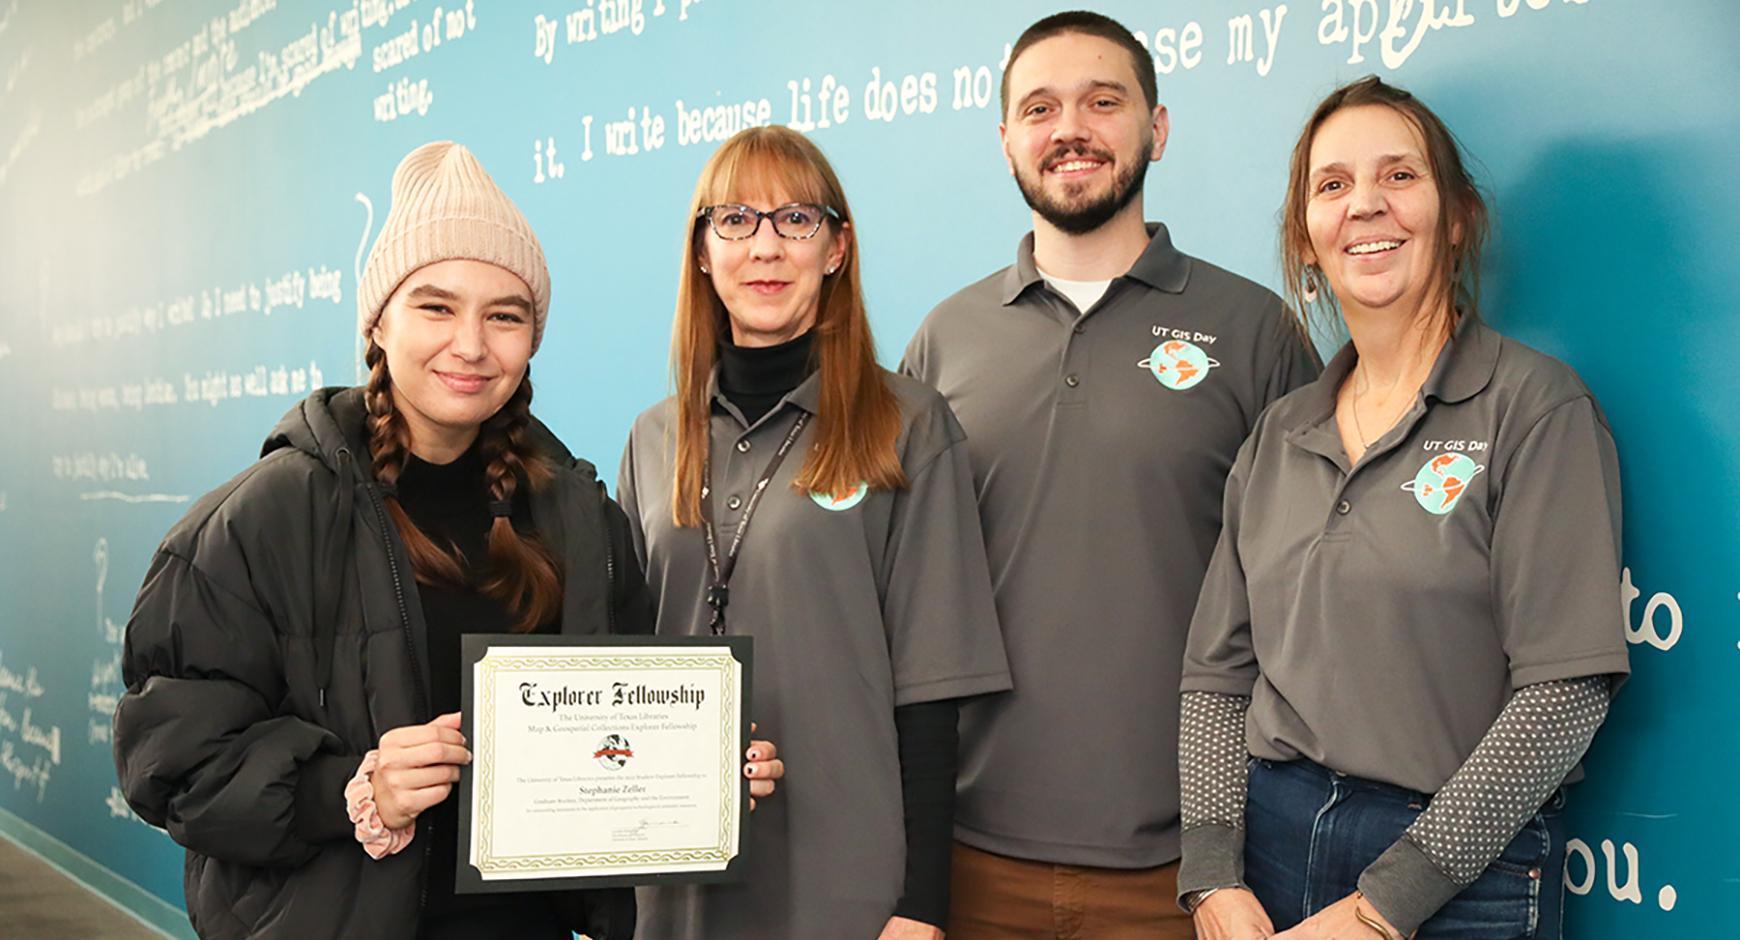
[{"x": 226, "y": 900}]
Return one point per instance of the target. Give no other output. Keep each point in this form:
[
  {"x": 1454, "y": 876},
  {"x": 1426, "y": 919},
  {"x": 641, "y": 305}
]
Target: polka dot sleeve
[
  {"x": 1536, "y": 740},
  {"x": 1212, "y": 776},
  {"x": 1211, "y": 759}
]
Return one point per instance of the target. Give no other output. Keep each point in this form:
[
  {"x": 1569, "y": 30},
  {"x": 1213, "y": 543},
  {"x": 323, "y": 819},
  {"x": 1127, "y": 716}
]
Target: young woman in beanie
[
  {"x": 292, "y": 662},
  {"x": 794, "y": 491}
]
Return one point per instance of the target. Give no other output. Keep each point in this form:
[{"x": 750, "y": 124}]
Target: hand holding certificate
[{"x": 602, "y": 761}]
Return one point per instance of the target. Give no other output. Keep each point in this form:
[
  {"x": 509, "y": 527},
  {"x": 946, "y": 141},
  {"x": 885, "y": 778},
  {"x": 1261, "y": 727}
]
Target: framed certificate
[{"x": 602, "y": 761}]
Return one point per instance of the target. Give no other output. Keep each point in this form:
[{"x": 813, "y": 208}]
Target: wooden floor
[{"x": 37, "y": 902}]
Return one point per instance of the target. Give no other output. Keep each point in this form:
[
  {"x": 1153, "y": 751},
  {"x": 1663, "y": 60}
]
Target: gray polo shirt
[
  {"x": 857, "y": 606},
  {"x": 1381, "y": 615},
  {"x": 1100, "y": 444}
]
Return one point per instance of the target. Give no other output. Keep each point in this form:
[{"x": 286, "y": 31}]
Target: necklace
[
  {"x": 1410, "y": 367},
  {"x": 1360, "y": 378},
  {"x": 1362, "y": 387}
]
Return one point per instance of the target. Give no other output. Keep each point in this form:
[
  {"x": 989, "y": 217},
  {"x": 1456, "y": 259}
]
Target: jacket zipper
[
  {"x": 609, "y": 562},
  {"x": 416, "y": 675},
  {"x": 411, "y": 645},
  {"x": 610, "y": 584}
]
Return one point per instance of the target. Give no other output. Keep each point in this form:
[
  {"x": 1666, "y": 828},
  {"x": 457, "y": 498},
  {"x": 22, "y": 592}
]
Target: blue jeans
[{"x": 1311, "y": 831}]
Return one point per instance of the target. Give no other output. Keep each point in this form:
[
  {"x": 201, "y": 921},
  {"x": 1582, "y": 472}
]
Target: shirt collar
[
  {"x": 1317, "y": 400},
  {"x": 1464, "y": 369},
  {"x": 808, "y": 395},
  {"x": 1161, "y": 266},
  {"x": 1468, "y": 362}
]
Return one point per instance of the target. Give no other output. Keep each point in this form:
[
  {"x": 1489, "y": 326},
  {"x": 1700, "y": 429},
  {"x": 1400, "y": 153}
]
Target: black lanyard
[{"x": 719, "y": 590}]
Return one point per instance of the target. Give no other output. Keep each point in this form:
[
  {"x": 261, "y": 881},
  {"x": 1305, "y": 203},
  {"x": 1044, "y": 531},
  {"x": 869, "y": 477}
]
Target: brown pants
[{"x": 1001, "y": 898}]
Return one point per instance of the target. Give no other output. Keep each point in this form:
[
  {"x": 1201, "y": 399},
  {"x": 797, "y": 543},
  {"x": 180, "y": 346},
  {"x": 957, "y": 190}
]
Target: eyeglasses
[{"x": 792, "y": 220}]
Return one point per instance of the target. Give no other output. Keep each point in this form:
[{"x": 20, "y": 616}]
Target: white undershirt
[{"x": 1083, "y": 294}]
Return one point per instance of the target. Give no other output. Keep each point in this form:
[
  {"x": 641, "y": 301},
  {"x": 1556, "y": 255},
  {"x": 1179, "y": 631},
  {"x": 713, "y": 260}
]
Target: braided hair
[{"x": 519, "y": 570}]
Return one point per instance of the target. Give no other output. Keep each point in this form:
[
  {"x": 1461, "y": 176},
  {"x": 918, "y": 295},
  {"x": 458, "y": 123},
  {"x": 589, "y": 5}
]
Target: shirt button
[
  {"x": 743, "y": 446},
  {"x": 734, "y": 502},
  {"x": 1071, "y": 380},
  {"x": 1344, "y": 507},
  {"x": 1079, "y": 329}
]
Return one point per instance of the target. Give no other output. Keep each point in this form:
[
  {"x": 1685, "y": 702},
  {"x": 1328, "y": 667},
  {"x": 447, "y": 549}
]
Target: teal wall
[{"x": 187, "y": 189}]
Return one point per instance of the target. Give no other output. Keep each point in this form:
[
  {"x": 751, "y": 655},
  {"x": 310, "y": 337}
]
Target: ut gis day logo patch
[
  {"x": 1178, "y": 364},
  {"x": 841, "y": 503},
  {"x": 844, "y": 502},
  {"x": 1439, "y": 485}
]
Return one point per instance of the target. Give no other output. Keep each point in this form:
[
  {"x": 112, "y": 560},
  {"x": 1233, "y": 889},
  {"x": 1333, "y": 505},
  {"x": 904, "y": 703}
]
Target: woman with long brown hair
[
  {"x": 1407, "y": 637},
  {"x": 856, "y": 564},
  {"x": 292, "y": 662}
]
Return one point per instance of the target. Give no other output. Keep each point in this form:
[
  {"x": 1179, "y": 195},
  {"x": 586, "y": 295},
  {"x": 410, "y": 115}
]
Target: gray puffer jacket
[{"x": 277, "y": 636}]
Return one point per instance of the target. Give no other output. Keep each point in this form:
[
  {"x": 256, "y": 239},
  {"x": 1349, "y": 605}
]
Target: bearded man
[{"x": 1105, "y": 381}]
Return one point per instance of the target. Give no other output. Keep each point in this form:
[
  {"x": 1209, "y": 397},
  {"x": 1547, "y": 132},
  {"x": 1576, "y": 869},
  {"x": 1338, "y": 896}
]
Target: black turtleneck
[
  {"x": 450, "y": 504},
  {"x": 755, "y": 378}
]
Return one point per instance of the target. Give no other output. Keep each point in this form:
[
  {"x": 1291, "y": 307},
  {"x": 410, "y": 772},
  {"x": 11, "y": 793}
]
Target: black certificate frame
[{"x": 474, "y": 646}]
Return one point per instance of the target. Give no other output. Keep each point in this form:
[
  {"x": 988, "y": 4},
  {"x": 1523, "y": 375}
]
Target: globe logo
[
  {"x": 842, "y": 503},
  {"x": 1439, "y": 485},
  {"x": 613, "y": 752},
  {"x": 1177, "y": 364}
]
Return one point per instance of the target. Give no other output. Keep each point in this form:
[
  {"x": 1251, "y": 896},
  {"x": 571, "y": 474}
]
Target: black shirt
[
  {"x": 755, "y": 378},
  {"x": 450, "y": 504}
]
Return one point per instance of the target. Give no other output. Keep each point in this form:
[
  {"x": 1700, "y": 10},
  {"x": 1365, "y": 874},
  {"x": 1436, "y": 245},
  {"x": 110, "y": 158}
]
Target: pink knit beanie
[{"x": 446, "y": 207}]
